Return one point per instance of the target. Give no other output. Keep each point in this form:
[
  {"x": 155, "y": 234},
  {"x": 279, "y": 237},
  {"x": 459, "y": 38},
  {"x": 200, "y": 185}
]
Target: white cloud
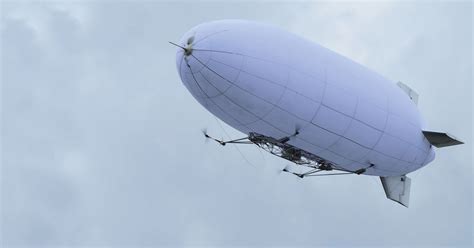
[{"x": 102, "y": 143}]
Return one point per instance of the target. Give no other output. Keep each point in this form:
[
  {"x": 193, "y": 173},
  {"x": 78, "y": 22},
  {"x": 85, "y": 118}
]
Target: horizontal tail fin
[{"x": 441, "y": 139}]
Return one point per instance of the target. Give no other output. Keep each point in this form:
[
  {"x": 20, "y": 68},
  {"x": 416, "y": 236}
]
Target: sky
[{"x": 101, "y": 144}]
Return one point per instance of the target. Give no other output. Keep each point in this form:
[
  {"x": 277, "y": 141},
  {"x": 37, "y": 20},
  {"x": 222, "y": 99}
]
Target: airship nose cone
[
  {"x": 192, "y": 61},
  {"x": 223, "y": 65},
  {"x": 193, "y": 40}
]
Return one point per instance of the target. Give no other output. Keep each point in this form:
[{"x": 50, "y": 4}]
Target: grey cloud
[{"x": 101, "y": 143}]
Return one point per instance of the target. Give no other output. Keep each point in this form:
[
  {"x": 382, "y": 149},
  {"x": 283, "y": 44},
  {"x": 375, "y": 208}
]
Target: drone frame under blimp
[
  {"x": 395, "y": 183},
  {"x": 280, "y": 148}
]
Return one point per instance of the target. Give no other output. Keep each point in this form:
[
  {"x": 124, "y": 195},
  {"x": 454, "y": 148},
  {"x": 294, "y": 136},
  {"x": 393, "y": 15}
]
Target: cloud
[{"x": 101, "y": 142}]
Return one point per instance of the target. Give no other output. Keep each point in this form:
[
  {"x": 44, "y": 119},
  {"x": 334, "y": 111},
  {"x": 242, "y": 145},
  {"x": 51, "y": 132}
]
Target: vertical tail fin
[
  {"x": 411, "y": 93},
  {"x": 397, "y": 188}
]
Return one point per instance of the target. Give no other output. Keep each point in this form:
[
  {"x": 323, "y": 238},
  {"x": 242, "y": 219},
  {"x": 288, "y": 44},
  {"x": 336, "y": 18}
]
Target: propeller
[
  {"x": 297, "y": 130},
  {"x": 190, "y": 40},
  {"x": 285, "y": 169},
  {"x": 206, "y": 136}
]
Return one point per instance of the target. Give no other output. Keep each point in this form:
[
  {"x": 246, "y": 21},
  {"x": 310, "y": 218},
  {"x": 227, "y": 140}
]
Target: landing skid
[{"x": 316, "y": 165}]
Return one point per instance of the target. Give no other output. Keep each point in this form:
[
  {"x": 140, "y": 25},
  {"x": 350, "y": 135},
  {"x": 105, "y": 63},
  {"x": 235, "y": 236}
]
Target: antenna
[
  {"x": 174, "y": 44},
  {"x": 187, "y": 50}
]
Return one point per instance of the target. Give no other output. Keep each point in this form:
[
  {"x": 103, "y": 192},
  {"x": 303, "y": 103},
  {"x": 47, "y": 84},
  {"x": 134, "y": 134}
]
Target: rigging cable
[{"x": 235, "y": 145}]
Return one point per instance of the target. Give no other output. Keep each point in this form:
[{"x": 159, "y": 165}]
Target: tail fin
[
  {"x": 411, "y": 93},
  {"x": 397, "y": 188},
  {"x": 441, "y": 139}
]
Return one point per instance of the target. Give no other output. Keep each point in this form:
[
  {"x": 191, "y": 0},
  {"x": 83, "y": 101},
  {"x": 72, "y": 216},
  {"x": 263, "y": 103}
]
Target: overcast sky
[{"x": 102, "y": 144}]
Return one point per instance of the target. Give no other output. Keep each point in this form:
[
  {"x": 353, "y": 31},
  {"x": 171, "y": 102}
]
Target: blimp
[{"x": 307, "y": 104}]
